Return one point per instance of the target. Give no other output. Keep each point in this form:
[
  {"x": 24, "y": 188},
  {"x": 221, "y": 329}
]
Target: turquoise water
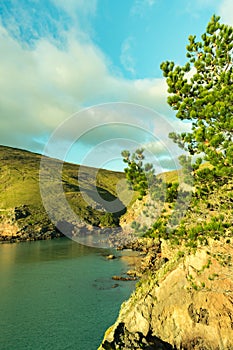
[{"x": 57, "y": 295}]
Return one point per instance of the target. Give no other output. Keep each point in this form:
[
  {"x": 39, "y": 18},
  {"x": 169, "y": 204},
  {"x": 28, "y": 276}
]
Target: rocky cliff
[{"x": 183, "y": 301}]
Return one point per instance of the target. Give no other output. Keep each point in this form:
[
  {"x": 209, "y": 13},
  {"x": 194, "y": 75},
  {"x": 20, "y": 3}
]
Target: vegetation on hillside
[
  {"x": 158, "y": 194},
  {"x": 200, "y": 91},
  {"x": 186, "y": 287}
]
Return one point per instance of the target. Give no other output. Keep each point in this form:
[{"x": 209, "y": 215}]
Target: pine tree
[
  {"x": 137, "y": 173},
  {"x": 201, "y": 91}
]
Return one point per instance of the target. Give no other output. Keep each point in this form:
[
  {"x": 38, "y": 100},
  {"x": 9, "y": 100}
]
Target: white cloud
[
  {"x": 126, "y": 57},
  {"x": 195, "y": 8},
  {"x": 41, "y": 87},
  {"x": 140, "y": 7},
  {"x": 80, "y": 13},
  {"x": 74, "y": 6},
  {"x": 226, "y": 12}
]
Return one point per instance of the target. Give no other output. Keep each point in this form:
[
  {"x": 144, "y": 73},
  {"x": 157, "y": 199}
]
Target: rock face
[
  {"x": 187, "y": 304},
  {"x": 23, "y": 224},
  {"x": 137, "y": 213}
]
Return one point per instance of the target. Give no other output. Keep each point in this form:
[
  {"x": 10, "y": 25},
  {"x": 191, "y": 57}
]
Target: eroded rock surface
[{"x": 187, "y": 304}]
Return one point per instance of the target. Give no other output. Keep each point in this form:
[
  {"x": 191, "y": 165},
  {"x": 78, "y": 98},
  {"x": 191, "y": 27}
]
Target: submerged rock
[
  {"x": 122, "y": 278},
  {"x": 111, "y": 257}
]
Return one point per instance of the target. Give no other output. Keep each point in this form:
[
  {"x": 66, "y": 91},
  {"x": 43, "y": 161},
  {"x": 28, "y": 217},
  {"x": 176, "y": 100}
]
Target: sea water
[{"x": 57, "y": 295}]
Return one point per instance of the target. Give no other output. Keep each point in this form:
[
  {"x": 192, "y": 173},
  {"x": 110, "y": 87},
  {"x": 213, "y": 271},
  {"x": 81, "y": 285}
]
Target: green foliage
[
  {"x": 158, "y": 190},
  {"x": 138, "y": 228},
  {"x": 171, "y": 192},
  {"x": 205, "y": 97},
  {"x": 213, "y": 276},
  {"x": 108, "y": 220},
  {"x": 141, "y": 178},
  {"x": 180, "y": 254},
  {"x": 158, "y": 229},
  {"x": 223, "y": 259},
  {"x": 199, "y": 232},
  {"x": 162, "y": 195},
  {"x": 135, "y": 225},
  {"x": 137, "y": 173}
]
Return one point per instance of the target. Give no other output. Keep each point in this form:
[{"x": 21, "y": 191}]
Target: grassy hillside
[
  {"x": 171, "y": 176},
  {"x": 89, "y": 192},
  {"x": 19, "y": 178}
]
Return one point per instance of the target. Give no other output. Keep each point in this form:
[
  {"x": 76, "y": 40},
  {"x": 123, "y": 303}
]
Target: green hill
[
  {"x": 97, "y": 197},
  {"x": 91, "y": 193}
]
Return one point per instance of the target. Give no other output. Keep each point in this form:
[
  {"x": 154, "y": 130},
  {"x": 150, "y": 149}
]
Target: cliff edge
[{"x": 185, "y": 304}]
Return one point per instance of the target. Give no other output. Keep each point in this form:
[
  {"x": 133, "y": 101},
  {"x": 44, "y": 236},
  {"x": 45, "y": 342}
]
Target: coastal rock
[
  {"x": 111, "y": 257},
  {"x": 122, "y": 278},
  {"x": 186, "y": 305},
  {"x": 21, "y": 224},
  {"x": 132, "y": 273},
  {"x": 21, "y": 212}
]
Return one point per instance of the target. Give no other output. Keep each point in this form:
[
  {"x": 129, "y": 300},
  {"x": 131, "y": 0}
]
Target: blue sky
[{"x": 59, "y": 58}]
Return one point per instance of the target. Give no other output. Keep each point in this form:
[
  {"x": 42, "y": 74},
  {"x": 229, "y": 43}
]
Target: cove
[{"x": 58, "y": 295}]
